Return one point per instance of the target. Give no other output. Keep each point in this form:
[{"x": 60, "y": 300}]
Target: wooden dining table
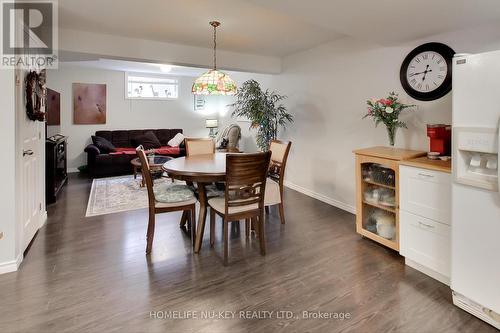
[{"x": 202, "y": 170}]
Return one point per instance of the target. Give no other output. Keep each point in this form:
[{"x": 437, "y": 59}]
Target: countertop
[
  {"x": 425, "y": 163},
  {"x": 390, "y": 153}
]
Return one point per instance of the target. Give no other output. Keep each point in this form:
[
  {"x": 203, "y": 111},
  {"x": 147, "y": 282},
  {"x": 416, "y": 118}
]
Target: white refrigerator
[{"x": 475, "y": 268}]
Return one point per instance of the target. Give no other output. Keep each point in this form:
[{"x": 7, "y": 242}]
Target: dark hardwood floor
[{"x": 92, "y": 275}]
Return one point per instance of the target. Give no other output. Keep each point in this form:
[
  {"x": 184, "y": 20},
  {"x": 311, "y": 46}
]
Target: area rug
[{"x": 117, "y": 194}]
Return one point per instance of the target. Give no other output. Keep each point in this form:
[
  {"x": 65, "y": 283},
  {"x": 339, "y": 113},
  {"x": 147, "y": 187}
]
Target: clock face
[{"x": 427, "y": 71}]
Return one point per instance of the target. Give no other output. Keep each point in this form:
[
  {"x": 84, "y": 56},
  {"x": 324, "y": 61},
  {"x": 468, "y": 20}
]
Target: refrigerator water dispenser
[{"x": 475, "y": 161}]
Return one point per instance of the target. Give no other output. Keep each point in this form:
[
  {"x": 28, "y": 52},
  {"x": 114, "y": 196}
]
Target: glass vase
[{"x": 391, "y": 133}]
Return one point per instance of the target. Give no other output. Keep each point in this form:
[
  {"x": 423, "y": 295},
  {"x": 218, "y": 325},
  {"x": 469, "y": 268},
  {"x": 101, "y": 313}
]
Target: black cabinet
[{"x": 56, "y": 174}]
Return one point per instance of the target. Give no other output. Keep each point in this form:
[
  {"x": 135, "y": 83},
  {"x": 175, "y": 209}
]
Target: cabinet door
[
  {"x": 426, "y": 242},
  {"x": 426, "y": 193}
]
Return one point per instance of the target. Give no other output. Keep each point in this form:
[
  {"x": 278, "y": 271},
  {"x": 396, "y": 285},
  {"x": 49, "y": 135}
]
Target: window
[{"x": 150, "y": 86}]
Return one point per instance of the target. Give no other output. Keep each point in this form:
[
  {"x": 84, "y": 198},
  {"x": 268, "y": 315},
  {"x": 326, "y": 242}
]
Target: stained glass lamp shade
[{"x": 214, "y": 82}]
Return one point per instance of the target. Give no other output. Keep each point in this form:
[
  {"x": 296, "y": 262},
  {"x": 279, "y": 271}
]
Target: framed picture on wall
[
  {"x": 53, "y": 115},
  {"x": 199, "y": 102},
  {"x": 89, "y": 103}
]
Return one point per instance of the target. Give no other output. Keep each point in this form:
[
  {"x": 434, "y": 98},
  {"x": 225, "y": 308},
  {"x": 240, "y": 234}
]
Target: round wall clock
[{"x": 426, "y": 71}]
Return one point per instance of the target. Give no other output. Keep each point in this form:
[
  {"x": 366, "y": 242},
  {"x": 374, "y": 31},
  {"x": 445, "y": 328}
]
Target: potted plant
[
  {"x": 263, "y": 109},
  {"x": 387, "y": 111}
]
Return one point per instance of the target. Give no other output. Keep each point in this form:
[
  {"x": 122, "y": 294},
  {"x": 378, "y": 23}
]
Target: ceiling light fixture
[{"x": 214, "y": 82}]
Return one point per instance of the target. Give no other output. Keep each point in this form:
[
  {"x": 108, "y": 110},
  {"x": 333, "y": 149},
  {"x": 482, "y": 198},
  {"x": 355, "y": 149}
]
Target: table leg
[{"x": 201, "y": 217}]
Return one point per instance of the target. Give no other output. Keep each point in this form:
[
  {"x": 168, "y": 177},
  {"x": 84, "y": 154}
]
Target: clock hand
[
  {"x": 423, "y": 78},
  {"x": 427, "y": 70}
]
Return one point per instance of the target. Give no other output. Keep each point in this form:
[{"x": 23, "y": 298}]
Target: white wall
[
  {"x": 138, "y": 114},
  {"x": 8, "y": 227},
  {"x": 328, "y": 87}
]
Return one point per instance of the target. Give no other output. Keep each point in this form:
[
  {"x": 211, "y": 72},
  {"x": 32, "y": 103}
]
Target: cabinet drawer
[
  {"x": 425, "y": 193},
  {"x": 425, "y": 241}
]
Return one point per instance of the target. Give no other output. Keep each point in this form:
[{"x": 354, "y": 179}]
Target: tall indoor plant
[
  {"x": 263, "y": 109},
  {"x": 387, "y": 111}
]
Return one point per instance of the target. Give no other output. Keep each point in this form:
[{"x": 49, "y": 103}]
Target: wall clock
[{"x": 426, "y": 71}]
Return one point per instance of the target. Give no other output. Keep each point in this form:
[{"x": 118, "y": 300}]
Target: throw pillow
[
  {"x": 148, "y": 140},
  {"x": 103, "y": 145},
  {"x": 176, "y": 140}
]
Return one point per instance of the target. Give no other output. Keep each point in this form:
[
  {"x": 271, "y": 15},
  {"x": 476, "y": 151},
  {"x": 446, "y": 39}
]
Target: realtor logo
[{"x": 29, "y": 34}]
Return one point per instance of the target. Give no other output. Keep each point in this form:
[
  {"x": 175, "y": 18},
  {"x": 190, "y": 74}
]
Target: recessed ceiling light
[{"x": 165, "y": 68}]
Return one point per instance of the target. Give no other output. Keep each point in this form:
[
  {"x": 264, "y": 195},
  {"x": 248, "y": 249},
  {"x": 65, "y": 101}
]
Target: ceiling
[
  {"x": 137, "y": 67},
  {"x": 277, "y": 27}
]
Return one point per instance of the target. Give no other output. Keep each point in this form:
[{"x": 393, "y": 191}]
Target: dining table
[{"x": 203, "y": 170}]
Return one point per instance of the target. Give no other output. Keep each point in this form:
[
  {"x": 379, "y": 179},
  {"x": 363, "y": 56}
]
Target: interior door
[{"x": 31, "y": 167}]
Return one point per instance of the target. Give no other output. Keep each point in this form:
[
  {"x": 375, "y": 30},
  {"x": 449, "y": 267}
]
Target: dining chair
[
  {"x": 199, "y": 146},
  {"x": 276, "y": 176},
  {"x": 202, "y": 146},
  {"x": 244, "y": 196},
  {"x": 164, "y": 198}
]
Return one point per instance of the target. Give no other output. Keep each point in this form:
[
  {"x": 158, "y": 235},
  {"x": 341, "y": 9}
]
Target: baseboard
[
  {"x": 44, "y": 219},
  {"x": 73, "y": 170},
  {"x": 11, "y": 266},
  {"x": 427, "y": 271},
  {"x": 488, "y": 315},
  {"x": 321, "y": 197}
]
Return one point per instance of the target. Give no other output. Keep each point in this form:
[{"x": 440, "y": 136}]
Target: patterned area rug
[{"x": 117, "y": 194}]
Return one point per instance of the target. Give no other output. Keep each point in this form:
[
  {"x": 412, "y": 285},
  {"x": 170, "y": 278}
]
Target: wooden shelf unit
[
  {"x": 389, "y": 158},
  {"x": 378, "y": 184},
  {"x": 387, "y": 208}
]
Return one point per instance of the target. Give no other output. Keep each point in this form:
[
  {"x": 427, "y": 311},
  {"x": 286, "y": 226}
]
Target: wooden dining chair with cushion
[
  {"x": 244, "y": 196},
  {"x": 202, "y": 146},
  {"x": 166, "y": 197},
  {"x": 275, "y": 185},
  {"x": 199, "y": 146}
]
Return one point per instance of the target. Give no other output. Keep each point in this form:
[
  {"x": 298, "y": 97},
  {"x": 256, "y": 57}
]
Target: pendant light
[{"x": 214, "y": 82}]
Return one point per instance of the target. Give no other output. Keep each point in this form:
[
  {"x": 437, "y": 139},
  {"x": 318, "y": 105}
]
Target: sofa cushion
[
  {"x": 103, "y": 145},
  {"x": 132, "y": 135},
  {"x": 163, "y": 135},
  {"x": 121, "y": 138},
  {"x": 176, "y": 140},
  {"x": 108, "y": 135},
  {"x": 148, "y": 140}
]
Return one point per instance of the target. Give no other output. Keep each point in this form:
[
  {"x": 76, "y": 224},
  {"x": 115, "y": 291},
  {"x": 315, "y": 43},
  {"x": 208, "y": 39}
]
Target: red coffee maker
[{"x": 440, "y": 139}]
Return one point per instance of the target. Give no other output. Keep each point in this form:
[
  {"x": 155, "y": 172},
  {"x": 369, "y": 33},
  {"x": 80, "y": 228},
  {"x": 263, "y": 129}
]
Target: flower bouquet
[{"x": 387, "y": 111}]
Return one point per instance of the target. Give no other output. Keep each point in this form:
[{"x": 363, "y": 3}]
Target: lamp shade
[
  {"x": 214, "y": 82},
  {"x": 211, "y": 123}
]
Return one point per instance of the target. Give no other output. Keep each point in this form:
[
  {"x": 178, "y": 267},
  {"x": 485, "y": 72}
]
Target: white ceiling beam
[{"x": 152, "y": 51}]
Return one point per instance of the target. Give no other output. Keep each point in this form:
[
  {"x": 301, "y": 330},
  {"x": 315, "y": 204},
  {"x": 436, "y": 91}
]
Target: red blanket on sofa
[{"x": 164, "y": 150}]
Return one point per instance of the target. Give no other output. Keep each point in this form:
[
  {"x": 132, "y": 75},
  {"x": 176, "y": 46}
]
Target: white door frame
[{"x": 40, "y": 195}]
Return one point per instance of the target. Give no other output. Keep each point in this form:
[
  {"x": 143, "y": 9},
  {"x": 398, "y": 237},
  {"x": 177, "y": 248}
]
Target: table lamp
[{"x": 212, "y": 123}]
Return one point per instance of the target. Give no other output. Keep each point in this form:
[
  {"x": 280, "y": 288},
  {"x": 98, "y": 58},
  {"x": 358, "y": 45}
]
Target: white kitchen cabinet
[
  {"x": 425, "y": 193},
  {"x": 425, "y": 242},
  {"x": 425, "y": 220}
]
